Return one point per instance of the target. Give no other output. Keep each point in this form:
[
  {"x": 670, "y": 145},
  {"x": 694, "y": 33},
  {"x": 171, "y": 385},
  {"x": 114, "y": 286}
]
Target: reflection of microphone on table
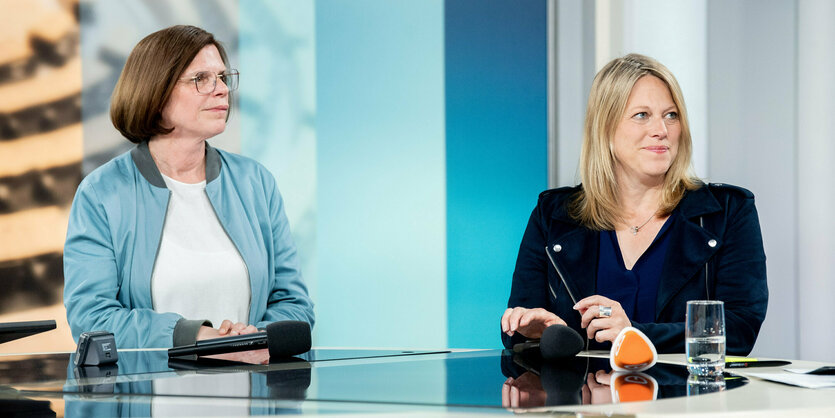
[{"x": 557, "y": 383}]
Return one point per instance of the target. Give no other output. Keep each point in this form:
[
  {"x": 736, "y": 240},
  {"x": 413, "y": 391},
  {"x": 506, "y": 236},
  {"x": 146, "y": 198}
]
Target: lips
[
  {"x": 221, "y": 108},
  {"x": 657, "y": 149}
]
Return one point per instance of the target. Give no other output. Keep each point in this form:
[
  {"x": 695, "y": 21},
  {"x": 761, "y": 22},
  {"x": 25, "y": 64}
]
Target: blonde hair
[{"x": 596, "y": 205}]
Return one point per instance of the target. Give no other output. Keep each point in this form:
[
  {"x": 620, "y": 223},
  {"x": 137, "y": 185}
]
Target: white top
[{"x": 198, "y": 273}]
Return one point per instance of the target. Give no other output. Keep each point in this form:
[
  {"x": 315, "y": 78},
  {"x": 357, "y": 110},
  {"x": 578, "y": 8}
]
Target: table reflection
[
  {"x": 149, "y": 383},
  {"x": 532, "y": 382}
]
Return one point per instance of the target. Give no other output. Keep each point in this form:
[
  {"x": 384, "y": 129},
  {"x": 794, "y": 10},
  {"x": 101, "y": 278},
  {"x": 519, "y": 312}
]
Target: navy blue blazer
[{"x": 715, "y": 252}]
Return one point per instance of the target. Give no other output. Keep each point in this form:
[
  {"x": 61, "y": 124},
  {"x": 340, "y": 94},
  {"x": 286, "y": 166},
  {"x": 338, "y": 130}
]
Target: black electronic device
[
  {"x": 96, "y": 348},
  {"x": 557, "y": 342},
  {"x": 282, "y": 338},
  {"x": 10, "y": 331}
]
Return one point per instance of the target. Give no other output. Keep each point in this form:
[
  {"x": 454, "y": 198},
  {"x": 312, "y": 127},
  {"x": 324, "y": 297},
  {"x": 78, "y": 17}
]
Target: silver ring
[{"x": 604, "y": 311}]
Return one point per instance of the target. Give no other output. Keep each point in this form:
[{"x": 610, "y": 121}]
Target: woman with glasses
[{"x": 175, "y": 237}]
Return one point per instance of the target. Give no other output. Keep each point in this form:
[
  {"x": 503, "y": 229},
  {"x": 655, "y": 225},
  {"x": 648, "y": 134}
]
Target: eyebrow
[
  {"x": 643, "y": 107},
  {"x": 195, "y": 72}
]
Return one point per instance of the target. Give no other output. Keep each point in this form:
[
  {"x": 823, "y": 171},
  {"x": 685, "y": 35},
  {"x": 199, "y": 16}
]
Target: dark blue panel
[{"x": 496, "y": 153}]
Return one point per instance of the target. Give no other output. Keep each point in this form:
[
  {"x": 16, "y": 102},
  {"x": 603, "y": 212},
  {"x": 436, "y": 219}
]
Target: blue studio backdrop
[{"x": 409, "y": 140}]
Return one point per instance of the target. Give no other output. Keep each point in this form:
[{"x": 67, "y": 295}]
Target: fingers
[
  {"x": 603, "y": 378},
  {"x": 591, "y": 382},
  {"x": 225, "y": 327},
  {"x": 532, "y": 315},
  {"x": 596, "y": 325},
  {"x": 515, "y": 317},
  {"x": 506, "y": 392},
  {"x": 528, "y": 322},
  {"x": 590, "y": 314},
  {"x": 598, "y": 392},
  {"x": 607, "y": 335},
  {"x": 594, "y": 300},
  {"x": 510, "y": 319},
  {"x": 241, "y": 328},
  {"x": 229, "y": 328},
  {"x": 601, "y": 328},
  {"x": 586, "y": 395},
  {"x": 505, "y": 321}
]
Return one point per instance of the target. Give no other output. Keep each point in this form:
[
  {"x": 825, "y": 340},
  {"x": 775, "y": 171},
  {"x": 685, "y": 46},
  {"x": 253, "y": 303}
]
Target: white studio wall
[{"x": 815, "y": 195}]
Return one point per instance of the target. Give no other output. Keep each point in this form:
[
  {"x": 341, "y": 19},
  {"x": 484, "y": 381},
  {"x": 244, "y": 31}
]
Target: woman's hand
[
  {"x": 601, "y": 328},
  {"x": 528, "y": 322},
  {"x": 228, "y": 328}
]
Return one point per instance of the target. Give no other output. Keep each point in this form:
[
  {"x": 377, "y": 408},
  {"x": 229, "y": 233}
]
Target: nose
[
  {"x": 221, "y": 89},
  {"x": 658, "y": 128}
]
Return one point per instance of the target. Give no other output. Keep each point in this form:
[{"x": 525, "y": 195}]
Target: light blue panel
[
  {"x": 277, "y": 96},
  {"x": 381, "y": 239}
]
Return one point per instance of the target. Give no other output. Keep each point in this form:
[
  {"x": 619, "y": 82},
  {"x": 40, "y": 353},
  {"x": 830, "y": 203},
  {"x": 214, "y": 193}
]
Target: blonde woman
[{"x": 641, "y": 235}]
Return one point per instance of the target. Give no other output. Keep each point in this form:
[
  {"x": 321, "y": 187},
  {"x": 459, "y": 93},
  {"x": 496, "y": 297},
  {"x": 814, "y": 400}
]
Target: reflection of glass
[
  {"x": 701, "y": 385},
  {"x": 705, "y": 337}
]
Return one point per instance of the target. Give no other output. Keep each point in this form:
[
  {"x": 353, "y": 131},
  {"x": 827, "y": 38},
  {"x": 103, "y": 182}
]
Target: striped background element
[{"x": 40, "y": 162}]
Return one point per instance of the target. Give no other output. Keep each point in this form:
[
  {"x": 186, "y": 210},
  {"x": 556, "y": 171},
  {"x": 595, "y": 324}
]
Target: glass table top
[{"x": 486, "y": 379}]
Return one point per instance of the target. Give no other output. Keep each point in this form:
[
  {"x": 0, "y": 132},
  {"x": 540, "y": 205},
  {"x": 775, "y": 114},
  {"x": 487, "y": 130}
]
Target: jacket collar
[
  {"x": 694, "y": 203},
  {"x": 698, "y": 202},
  {"x": 141, "y": 156},
  {"x": 577, "y": 258}
]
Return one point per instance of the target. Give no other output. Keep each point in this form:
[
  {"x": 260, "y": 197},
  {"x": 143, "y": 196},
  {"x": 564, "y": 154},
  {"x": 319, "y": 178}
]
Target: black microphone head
[
  {"x": 560, "y": 342},
  {"x": 288, "y": 338}
]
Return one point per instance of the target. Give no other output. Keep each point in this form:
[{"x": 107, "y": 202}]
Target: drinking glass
[{"x": 705, "y": 337}]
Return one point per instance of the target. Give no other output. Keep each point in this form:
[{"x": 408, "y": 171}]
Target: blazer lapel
[
  {"x": 691, "y": 246},
  {"x": 575, "y": 254}
]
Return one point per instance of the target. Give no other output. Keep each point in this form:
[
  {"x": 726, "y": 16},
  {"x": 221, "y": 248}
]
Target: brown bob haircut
[{"x": 150, "y": 75}]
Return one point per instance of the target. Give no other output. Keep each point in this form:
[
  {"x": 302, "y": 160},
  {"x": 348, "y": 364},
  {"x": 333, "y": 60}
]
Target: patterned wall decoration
[{"x": 40, "y": 160}]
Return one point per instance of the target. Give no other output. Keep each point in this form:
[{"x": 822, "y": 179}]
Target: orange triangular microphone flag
[{"x": 632, "y": 351}]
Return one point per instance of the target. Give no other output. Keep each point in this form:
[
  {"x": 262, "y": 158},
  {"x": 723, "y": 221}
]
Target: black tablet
[{"x": 10, "y": 331}]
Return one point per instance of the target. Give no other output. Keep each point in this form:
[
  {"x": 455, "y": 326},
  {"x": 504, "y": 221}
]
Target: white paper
[
  {"x": 803, "y": 380},
  {"x": 801, "y": 371}
]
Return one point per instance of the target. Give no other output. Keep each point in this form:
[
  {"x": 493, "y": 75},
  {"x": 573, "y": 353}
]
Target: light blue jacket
[{"x": 114, "y": 234}]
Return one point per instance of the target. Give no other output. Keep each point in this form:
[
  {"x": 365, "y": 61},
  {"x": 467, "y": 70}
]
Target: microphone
[
  {"x": 557, "y": 342},
  {"x": 282, "y": 338}
]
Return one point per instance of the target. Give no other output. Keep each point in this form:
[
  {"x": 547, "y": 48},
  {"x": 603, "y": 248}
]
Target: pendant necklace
[{"x": 635, "y": 229}]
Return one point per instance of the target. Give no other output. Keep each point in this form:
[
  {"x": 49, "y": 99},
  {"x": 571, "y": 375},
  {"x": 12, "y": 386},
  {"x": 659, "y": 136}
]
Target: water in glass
[{"x": 706, "y": 355}]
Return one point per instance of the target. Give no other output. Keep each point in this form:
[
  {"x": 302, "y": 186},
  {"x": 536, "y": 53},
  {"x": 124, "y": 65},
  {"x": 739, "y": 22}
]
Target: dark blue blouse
[{"x": 635, "y": 289}]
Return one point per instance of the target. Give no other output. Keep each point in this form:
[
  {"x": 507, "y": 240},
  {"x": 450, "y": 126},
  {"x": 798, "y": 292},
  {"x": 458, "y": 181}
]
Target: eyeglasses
[{"x": 206, "y": 81}]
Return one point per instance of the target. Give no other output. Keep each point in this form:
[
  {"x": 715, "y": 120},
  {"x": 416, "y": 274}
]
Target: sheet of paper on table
[{"x": 795, "y": 379}]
